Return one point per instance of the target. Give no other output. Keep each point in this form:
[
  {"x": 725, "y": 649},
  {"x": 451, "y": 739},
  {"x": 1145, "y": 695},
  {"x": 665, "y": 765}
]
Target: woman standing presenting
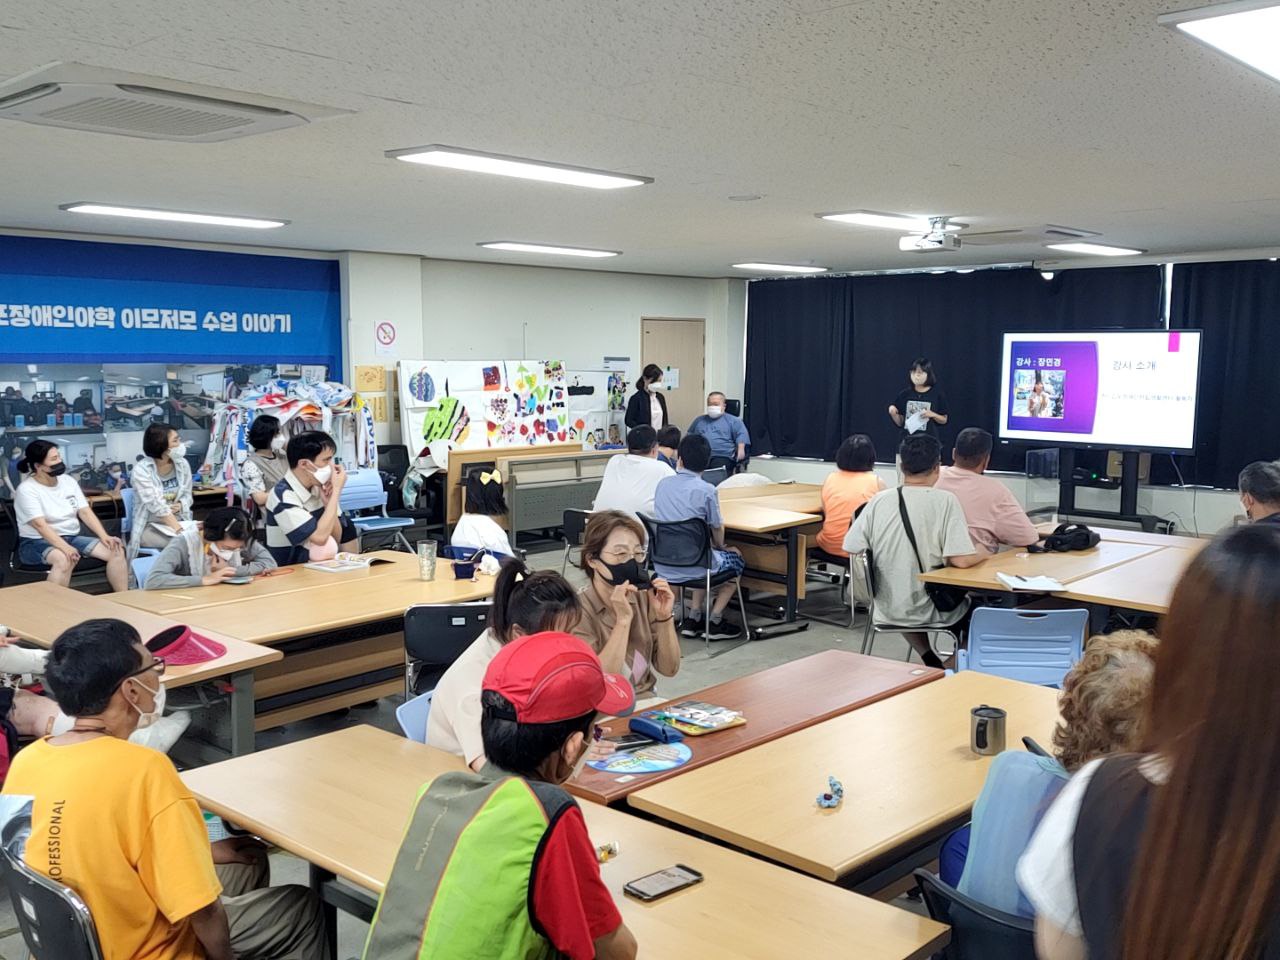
[
  {"x": 923, "y": 405},
  {"x": 647, "y": 407}
]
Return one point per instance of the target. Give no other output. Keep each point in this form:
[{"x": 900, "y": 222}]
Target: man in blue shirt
[
  {"x": 682, "y": 497},
  {"x": 726, "y": 433}
]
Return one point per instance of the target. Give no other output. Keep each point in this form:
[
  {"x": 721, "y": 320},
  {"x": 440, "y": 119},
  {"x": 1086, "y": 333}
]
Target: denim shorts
[{"x": 32, "y": 551}]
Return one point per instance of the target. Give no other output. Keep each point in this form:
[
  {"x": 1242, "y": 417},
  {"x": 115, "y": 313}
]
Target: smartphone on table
[
  {"x": 664, "y": 882},
  {"x": 630, "y": 741}
]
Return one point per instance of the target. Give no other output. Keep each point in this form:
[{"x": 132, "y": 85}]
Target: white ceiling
[{"x": 1005, "y": 113}]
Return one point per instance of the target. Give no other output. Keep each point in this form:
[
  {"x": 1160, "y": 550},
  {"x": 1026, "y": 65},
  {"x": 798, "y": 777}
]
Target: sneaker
[
  {"x": 691, "y": 627},
  {"x": 725, "y": 630}
]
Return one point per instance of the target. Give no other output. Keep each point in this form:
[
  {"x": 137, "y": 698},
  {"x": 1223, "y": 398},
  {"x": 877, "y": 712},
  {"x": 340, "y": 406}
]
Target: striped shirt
[{"x": 292, "y": 513}]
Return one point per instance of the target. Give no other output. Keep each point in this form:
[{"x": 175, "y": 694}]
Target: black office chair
[
  {"x": 716, "y": 475},
  {"x": 393, "y": 464},
  {"x": 686, "y": 544},
  {"x": 435, "y": 635},
  {"x": 27, "y": 572},
  {"x": 978, "y": 932},
  {"x": 573, "y": 527},
  {"x": 55, "y": 923}
]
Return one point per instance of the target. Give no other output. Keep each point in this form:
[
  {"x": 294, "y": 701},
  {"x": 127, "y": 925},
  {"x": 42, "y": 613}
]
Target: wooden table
[
  {"x": 1063, "y": 567},
  {"x": 776, "y": 701},
  {"x": 908, "y": 774},
  {"x": 39, "y": 612},
  {"x": 342, "y": 633},
  {"x": 1144, "y": 584},
  {"x": 340, "y": 801}
]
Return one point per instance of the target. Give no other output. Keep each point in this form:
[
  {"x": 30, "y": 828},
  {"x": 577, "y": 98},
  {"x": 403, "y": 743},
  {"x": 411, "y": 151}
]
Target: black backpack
[{"x": 1068, "y": 537}]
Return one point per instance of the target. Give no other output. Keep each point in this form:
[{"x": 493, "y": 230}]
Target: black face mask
[
  {"x": 58, "y": 471},
  {"x": 628, "y": 571}
]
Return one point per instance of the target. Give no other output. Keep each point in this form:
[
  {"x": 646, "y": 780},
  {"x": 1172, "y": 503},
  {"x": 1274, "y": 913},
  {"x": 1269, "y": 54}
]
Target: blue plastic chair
[
  {"x": 412, "y": 716},
  {"x": 364, "y": 491},
  {"x": 142, "y": 565},
  {"x": 1034, "y": 646}
]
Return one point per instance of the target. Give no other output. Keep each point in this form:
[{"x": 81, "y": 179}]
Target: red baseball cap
[
  {"x": 550, "y": 677},
  {"x": 180, "y": 647}
]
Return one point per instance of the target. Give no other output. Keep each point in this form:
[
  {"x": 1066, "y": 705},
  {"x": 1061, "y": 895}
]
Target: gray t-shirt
[{"x": 941, "y": 531}]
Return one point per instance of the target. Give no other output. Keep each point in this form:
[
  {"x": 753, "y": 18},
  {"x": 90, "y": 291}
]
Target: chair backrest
[
  {"x": 55, "y": 923},
  {"x": 142, "y": 565},
  {"x": 1034, "y": 646},
  {"x": 679, "y": 543},
  {"x": 11, "y": 517},
  {"x": 412, "y": 716},
  {"x": 436, "y": 634},
  {"x": 574, "y": 526},
  {"x": 978, "y": 932},
  {"x": 861, "y": 579},
  {"x": 363, "y": 490},
  {"x": 716, "y": 476},
  {"x": 126, "y": 498},
  {"x": 393, "y": 458}
]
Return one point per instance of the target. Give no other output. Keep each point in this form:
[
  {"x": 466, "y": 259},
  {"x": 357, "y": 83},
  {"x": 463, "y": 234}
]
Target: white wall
[
  {"x": 1193, "y": 510},
  {"x": 579, "y": 316}
]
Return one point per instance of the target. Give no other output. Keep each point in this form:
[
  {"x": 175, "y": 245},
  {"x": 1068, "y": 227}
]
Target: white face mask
[
  {"x": 147, "y": 717},
  {"x": 714, "y": 412},
  {"x": 278, "y": 444},
  {"x": 653, "y": 387},
  {"x": 322, "y": 474},
  {"x": 178, "y": 452},
  {"x": 226, "y": 554}
]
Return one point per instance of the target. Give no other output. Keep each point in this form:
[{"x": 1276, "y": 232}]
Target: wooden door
[{"x": 678, "y": 345}]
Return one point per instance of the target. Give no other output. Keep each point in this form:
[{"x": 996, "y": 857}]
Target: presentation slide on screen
[{"x": 1124, "y": 389}]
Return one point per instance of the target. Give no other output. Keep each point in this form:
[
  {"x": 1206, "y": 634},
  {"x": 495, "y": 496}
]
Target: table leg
[
  {"x": 791, "y": 623},
  {"x": 242, "y": 733},
  {"x": 320, "y": 879}
]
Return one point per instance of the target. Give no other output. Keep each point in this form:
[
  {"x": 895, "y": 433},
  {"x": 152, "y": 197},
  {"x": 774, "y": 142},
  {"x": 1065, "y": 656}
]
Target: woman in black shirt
[
  {"x": 647, "y": 405},
  {"x": 923, "y": 397}
]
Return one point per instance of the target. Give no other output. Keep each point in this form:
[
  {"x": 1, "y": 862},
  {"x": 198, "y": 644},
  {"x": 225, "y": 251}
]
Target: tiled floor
[{"x": 696, "y": 672}]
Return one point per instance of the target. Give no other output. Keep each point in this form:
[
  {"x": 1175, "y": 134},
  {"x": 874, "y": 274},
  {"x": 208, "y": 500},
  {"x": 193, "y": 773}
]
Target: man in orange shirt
[
  {"x": 113, "y": 821},
  {"x": 991, "y": 510}
]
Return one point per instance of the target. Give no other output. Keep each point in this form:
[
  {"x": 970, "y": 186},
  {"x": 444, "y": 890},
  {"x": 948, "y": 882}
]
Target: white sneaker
[{"x": 164, "y": 733}]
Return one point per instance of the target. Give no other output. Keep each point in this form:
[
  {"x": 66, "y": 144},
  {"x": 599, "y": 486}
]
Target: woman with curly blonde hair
[{"x": 1102, "y": 705}]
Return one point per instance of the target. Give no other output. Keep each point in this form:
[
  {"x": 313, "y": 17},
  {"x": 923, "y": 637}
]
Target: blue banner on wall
[{"x": 71, "y": 301}]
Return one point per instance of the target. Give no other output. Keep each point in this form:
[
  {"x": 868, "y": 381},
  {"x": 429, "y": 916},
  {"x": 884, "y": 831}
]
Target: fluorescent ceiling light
[
  {"x": 1047, "y": 274},
  {"x": 180, "y": 216},
  {"x": 966, "y": 270},
  {"x": 1247, "y": 31},
  {"x": 779, "y": 268},
  {"x": 903, "y": 223},
  {"x": 547, "y": 248},
  {"x": 1097, "y": 249},
  {"x": 456, "y": 158}
]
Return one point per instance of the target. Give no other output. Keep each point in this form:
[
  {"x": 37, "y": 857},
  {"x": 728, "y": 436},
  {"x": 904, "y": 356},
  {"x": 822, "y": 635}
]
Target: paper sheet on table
[
  {"x": 1033, "y": 584},
  {"x": 915, "y": 423}
]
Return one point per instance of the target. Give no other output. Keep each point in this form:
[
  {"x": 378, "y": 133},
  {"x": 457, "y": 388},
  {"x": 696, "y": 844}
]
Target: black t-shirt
[{"x": 909, "y": 402}]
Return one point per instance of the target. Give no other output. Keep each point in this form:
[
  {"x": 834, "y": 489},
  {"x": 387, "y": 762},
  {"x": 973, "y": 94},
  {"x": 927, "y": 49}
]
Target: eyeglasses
[
  {"x": 622, "y": 555},
  {"x": 156, "y": 666}
]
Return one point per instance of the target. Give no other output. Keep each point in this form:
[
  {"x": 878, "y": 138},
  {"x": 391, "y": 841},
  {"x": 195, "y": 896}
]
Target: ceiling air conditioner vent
[{"x": 131, "y": 110}]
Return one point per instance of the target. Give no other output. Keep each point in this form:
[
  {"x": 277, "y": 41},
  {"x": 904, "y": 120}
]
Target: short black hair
[
  {"x": 973, "y": 444},
  {"x": 262, "y": 431},
  {"x": 641, "y": 439},
  {"x": 155, "y": 440},
  {"x": 695, "y": 452},
  {"x": 521, "y": 748},
  {"x": 88, "y": 662},
  {"x": 669, "y": 437},
  {"x": 36, "y": 453},
  {"x": 925, "y": 364},
  {"x": 228, "y": 522},
  {"x": 532, "y": 601},
  {"x": 308, "y": 445},
  {"x": 920, "y": 453},
  {"x": 857, "y": 454},
  {"x": 483, "y": 498},
  {"x": 1261, "y": 480}
]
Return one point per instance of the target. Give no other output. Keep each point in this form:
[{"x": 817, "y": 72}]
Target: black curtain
[
  {"x": 826, "y": 356},
  {"x": 1237, "y": 305}
]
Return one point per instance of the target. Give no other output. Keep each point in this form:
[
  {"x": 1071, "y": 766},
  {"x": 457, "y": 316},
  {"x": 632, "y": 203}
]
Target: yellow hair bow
[{"x": 493, "y": 477}]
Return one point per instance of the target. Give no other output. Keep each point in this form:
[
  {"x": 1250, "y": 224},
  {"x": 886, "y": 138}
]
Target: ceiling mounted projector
[{"x": 936, "y": 239}]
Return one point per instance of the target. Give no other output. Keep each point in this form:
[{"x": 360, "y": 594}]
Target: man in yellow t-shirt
[{"x": 114, "y": 822}]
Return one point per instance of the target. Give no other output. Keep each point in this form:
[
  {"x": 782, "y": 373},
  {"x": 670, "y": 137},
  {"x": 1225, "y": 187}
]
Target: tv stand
[{"x": 1128, "y": 511}]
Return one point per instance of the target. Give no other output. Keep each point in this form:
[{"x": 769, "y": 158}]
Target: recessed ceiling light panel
[
  {"x": 476, "y": 161},
  {"x": 779, "y": 268},
  {"x": 177, "y": 216},
  {"x": 1246, "y": 30},
  {"x": 551, "y": 249},
  {"x": 1095, "y": 249},
  {"x": 902, "y": 222}
]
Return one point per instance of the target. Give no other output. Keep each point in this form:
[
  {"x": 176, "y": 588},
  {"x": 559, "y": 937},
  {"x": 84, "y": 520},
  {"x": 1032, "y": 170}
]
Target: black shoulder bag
[{"x": 941, "y": 596}]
